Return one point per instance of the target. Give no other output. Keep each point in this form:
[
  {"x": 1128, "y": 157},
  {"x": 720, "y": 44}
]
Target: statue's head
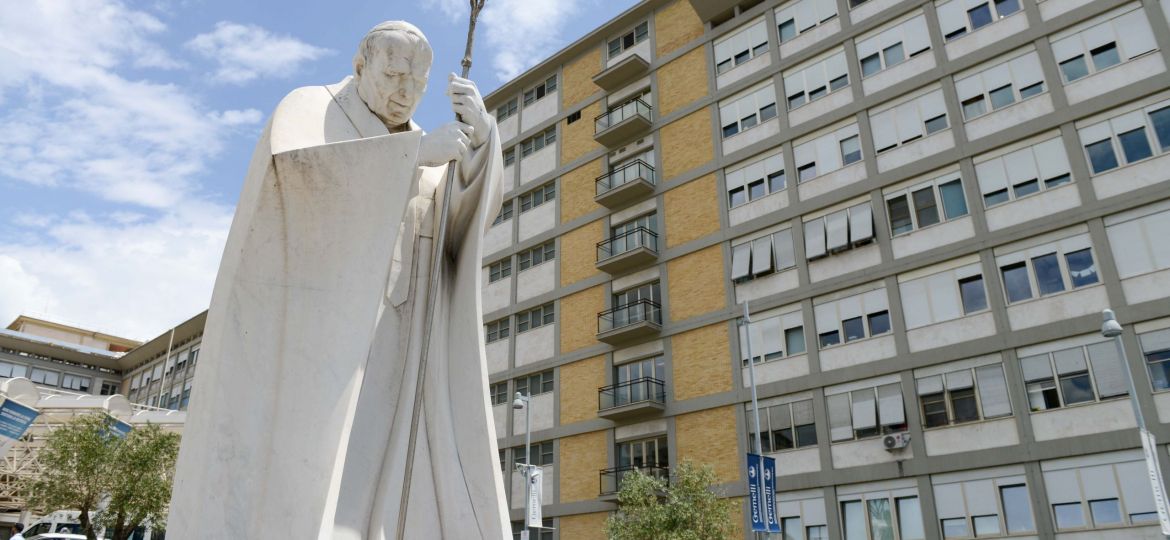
[{"x": 390, "y": 70}]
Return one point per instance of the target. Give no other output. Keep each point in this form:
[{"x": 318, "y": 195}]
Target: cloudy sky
[{"x": 126, "y": 128}]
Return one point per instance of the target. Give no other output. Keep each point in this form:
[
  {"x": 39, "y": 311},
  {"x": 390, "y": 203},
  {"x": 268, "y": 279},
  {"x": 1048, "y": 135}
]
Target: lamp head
[
  {"x": 518, "y": 403},
  {"x": 1110, "y": 328}
]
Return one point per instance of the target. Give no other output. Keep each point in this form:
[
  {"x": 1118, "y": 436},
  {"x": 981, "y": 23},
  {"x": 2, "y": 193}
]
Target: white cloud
[{"x": 245, "y": 52}]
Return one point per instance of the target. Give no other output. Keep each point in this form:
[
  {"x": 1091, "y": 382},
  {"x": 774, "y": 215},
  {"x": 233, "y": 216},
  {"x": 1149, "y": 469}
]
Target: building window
[
  {"x": 510, "y": 156},
  {"x": 537, "y": 383},
  {"x": 909, "y": 121},
  {"x": 866, "y": 412},
  {"x": 748, "y": 110},
  {"x": 109, "y": 388},
  {"x": 1104, "y": 45},
  {"x": 629, "y": 39},
  {"x": 882, "y": 516},
  {"x": 822, "y": 155},
  {"x": 538, "y": 196},
  {"x": 892, "y": 46},
  {"x": 926, "y": 204},
  {"x": 537, "y": 142},
  {"x": 784, "y": 427},
  {"x": 1064, "y": 268},
  {"x": 11, "y": 370},
  {"x": 943, "y": 296},
  {"x": 1023, "y": 172},
  {"x": 538, "y": 255},
  {"x": 1128, "y": 138},
  {"x": 1156, "y": 348},
  {"x": 957, "y": 17},
  {"x": 740, "y": 47},
  {"x": 497, "y": 330},
  {"x": 812, "y": 82},
  {"x": 964, "y": 395},
  {"x": 500, "y": 270},
  {"x": 772, "y": 336},
  {"x": 543, "y": 89},
  {"x": 643, "y": 453},
  {"x": 505, "y": 111},
  {"x": 535, "y": 318},
  {"x": 542, "y": 453},
  {"x": 41, "y": 376},
  {"x": 1080, "y": 374},
  {"x": 505, "y": 213},
  {"x": 755, "y": 180},
  {"x": 801, "y": 16},
  {"x": 76, "y": 382},
  {"x": 1093, "y": 494},
  {"x": 972, "y": 508},
  {"x": 852, "y": 318},
  {"x": 762, "y": 256},
  {"x": 839, "y": 231},
  {"x": 499, "y": 393},
  {"x": 999, "y": 86}
]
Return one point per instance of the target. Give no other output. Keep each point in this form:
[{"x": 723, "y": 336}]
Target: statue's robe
[{"x": 302, "y": 412}]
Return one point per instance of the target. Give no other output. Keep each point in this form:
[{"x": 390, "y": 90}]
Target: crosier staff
[{"x": 437, "y": 251}]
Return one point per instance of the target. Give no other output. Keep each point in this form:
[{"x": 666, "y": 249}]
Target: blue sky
[{"x": 126, "y": 129}]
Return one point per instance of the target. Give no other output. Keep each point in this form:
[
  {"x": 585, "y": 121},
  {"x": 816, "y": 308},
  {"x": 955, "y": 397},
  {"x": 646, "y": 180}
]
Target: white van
[{"x": 68, "y": 522}]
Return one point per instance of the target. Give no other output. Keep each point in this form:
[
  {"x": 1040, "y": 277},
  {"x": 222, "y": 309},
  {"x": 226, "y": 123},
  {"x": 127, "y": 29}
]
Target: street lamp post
[
  {"x": 523, "y": 402},
  {"x": 746, "y": 323},
  {"x": 1110, "y": 328}
]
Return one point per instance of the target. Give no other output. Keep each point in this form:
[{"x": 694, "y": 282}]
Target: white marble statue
[{"x": 301, "y": 417}]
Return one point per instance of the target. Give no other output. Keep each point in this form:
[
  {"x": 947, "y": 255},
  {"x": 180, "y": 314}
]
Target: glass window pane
[
  {"x": 955, "y": 528},
  {"x": 963, "y": 404},
  {"x": 1076, "y": 388},
  {"x": 1002, "y": 97},
  {"x": 1026, "y": 188},
  {"x": 900, "y": 221},
  {"x": 794, "y": 340},
  {"x": 1105, "y": 512},
  {"x": 1159, "y": 369},
  {"x": 1031, "y": 90},
  {"x": 1105, "y": 56},
  {"x": 881, "y": 523},
  {"x": 851, "y": 150},
  {"x": 1004, "y": 8},
  {"x": 879, "y": 323},
  {"x": 854, "y": 329},
  {"x": 936, "y": 124},
  {"x": 980, "y": 16},
  {"x": 870, "y": 65},
  {"x": 821, "y": 532},
  {"x": 1074, "y": 68},
  {"x": 1048, "y": 278},
  {"x": 925, "y": 208},
  {"x": 853, "y": 517},
  {"x": 828, "y": 339},
  {"x": 790, "y": 528},
  {"x": 1068, "y": 515},
  {"x": 1042, "y": 395},
  {"x": 787, "y": 30},
  {"x": 973, "y": 294},
  {"x": 986, "y": 525},
  {"x": 1135, "y": 145},
  {"x": 1015, "y": 282},
  {"x": 910, "y": 519},
  {"x": 974, "y": 107},
  {"x": 1081, "y": 269},
  {"x": 1101, "y": 155},
  {"x": 1017, "y": 510},
  {"x": 1161, "y": 120},
  {"x": 894, "y": 54},
  {"x": 954, "y": 203}
]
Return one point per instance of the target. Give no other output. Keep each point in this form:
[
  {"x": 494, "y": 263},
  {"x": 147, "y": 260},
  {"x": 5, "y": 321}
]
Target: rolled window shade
[
  {"x": 835, "y": 66},
  {"x": 909, "y": 121},
  {"x": 1069, "y": 361},
  {"x": 1108, "y": 373},
  {"x": 1155, "y": 341},
  {"x": 970, "y": 87},
  {"x": 890, "y": 405},
  {"x": 885, "y": 129},
  {"x": 993, "y": 394},
  {"x": 1098, "y": 35},
  {"x": 930, "y": 385},
  {"x": 779, "y": 417},
  {"x": 837, "y": 230},
  {"x": 932, "y": 105},
  {"x": 1099, "y": 482},
  {"x": 981, "y": 497},
  {"x": 948, "y": 500},
  {"x": 1135, "y": 487},
  {"x": 1036, "y": 367},
  {"x": 1062, "y": 486},
  {"x": 771, "y": 337},
  {"x": 959, "y": 380},
  {"x": 1052, "y": 159},
  {"x": 814, "y": 511},
  {"x": 1067, "y": 48},
  {"x": 741, "y": 258},
  {"x": 735, "y": 179},
  {"x": 840, "y": 424},
  {"x": 1133, "y": 30},
  {"x": 802, "y": 412},
  {"x": 1021, "y": 166},
  {"x": 992, "y": 176},
  {"x": 864, "y": 409},
  {"x": 1026, "y": 70},
  {"x": 782, "y": 246},
  {"x": 952, "y": 16},
  {"x": 860, "y": 222},
  {"x": 762, "y": 255},
  {"x": 915, "y": 34},
  {"x": 814, "y": 238}
]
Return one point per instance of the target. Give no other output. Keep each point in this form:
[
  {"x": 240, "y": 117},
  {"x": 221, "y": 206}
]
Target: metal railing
[
  {"x": 629, "y": 109},
  {"x": 611, "y": 479},
  {"x": 632, "y": 391},
  {"x": 635, "y": 170},
  {"x": 628, "y": 314},
  {"x": 630, "y": 240}
]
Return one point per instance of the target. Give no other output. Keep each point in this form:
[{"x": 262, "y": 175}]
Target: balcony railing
[
  {"x": 645, "y": 389},
  {"x": 640, "y": 311},
  {"x": 630, "y": 109},
  {"x": 611, "y": 479},
  {"x": 639, "y": 237},
  {"x": 636, "y": 170}
]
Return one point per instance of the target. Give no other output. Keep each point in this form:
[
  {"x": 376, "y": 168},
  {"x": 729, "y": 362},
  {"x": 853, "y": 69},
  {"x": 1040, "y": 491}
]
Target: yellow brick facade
[
  {"x": 578, "y": 253},
  {"x": 577, "y": 138},
  {"x": 578, "y": 188},
  {"x": 579, "y": 319},
  {"x": 691, "y": 211},
  {"x": 579, "y": 383},
  {"x": 696, "y": 283},
  {"x": 682, "y": 81},
  {"x": 676, "y": 25},
  {"x": 581, "y": 458},
  {"x": 584, "y": 526},
  {"x": 686, "y": 143},
  {"x": 699, "y": 362},
  {"x": 578, "y": 78},
  {"x": 709, "y": 438}
]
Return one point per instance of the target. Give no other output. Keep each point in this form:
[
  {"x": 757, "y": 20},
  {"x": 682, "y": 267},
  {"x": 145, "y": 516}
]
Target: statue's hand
[
  {"x": 467, "y": 103},
  {"x": 448, "y": 143}
]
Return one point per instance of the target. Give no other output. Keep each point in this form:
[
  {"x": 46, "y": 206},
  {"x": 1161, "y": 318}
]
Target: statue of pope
[{"x": 301, "y": 418}]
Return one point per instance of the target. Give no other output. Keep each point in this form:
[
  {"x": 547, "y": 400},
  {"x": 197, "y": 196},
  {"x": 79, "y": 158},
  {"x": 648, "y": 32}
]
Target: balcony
[
  {"x": 625, "y": 71},
  {"x": 625, "y": 184},
  {"x": 631, "y": 399},
  {"x": 629, "y": 322},
  {"x": 628, "y": 250},
  {"x": 622, "y": 123},
  {"x": 611, "y": 479}
]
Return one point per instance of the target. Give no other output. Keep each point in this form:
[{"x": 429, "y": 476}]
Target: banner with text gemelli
[
  {"x": 535, "y": 482},
  {"x": 15, "y": 419},
  {"x": 761, "y": 475}
]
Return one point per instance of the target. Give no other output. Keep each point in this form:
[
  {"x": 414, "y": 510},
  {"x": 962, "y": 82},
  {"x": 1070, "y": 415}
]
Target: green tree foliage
[
  {"x": 687, "y": 509},
  {"x": 117, "y": 483}
]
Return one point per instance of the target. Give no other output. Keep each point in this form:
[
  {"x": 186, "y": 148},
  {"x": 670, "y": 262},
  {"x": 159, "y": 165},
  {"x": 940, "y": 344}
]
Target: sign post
[
  {"x": 15, "y": 419},
  {"x": 761, "y": 473}
]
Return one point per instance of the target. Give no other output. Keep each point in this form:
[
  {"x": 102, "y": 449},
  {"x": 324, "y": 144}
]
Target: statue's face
[{"x": 394, "y": 78}]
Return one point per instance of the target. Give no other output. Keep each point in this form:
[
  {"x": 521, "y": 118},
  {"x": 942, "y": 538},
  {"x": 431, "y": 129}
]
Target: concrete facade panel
[
  {"x": 1042, "y": 204},
  {"x": 948, "y": 333},
  {"x": 1067, "y": 422},
  {"x": 866, "y": 452},
  {"x": 538, "y": 111},
  {"x": 535, "y": 281},
  {"x": 537, "y": 220},
  {"x": 535, "y": 345},
  {"x": 971, "y": 437},
  {"x": 537, "y": 164},
  {"x": 1058, "y": 307}
]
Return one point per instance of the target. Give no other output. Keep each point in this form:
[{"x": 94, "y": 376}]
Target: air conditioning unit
[{"x": 896, "y": 441}]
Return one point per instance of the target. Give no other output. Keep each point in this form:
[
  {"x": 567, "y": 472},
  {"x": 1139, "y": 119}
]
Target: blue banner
[
  {"x": 117, "y": 427},
  {"x": 754, "y": 474},
  {"x": 15, "y": 419},
  {"x": 770, "y": 513}
]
